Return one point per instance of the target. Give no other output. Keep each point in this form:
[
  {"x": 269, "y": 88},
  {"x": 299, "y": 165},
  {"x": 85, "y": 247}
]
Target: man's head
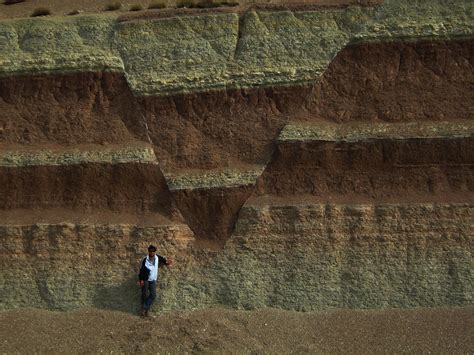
[{"x": 151, "y": 251}]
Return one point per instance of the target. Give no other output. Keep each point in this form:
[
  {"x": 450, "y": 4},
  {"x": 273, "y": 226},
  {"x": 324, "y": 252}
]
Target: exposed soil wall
[
  {"x": 372, "y": 169},
  {"x": 330, "y": 253},
  {"x": 136, "y": 188},
  {"x": 68, "y": 109},
  {"x": 212, "y": 213},
  {"x": 397, "y": 81}
]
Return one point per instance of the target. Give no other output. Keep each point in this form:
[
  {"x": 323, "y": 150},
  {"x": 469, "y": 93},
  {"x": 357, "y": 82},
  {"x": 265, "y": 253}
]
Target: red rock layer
[
  {"x": 219, "y": 128},
  {"x": 397, "y": 81},
  {"x": 132, "y": 187},
  {"x": 68, "y": 109},
  {"x": 212, "y": 213},
  {"x": 371, "y": 169}
]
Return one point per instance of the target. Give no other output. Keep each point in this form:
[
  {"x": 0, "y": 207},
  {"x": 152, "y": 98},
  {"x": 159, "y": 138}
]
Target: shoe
[
  {"x": 143, "y": 313},
  {"x": 150, "y": 315}
]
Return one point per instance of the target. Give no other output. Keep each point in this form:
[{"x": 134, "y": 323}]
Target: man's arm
[{"x": 163, "y": 261}]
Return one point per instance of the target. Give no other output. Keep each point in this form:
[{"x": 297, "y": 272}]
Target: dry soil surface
[
  {"x": 436, "y": 330},
  {"x": 61, "y": 7}
]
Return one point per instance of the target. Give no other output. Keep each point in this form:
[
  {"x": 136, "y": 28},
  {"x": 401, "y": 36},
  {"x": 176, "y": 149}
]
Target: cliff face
[{"x": 296, "y": 159}]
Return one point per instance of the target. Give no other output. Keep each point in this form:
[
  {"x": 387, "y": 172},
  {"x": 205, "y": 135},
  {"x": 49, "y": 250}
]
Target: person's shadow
[{"x": 124, "y": 297}]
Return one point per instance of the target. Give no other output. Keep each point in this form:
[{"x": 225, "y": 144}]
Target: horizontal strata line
[
  {"x": 60, "y": 66},
  {"x": 257, "y": 204},
  {"x": 353, "y": 132},
  {"x": 20, "y": 156},
  {"x": 96, "y": 225},
  {"x": 446, "y": 198},
  {"x": 61, "y": 215},
  {"x": 214, "y": 179}
]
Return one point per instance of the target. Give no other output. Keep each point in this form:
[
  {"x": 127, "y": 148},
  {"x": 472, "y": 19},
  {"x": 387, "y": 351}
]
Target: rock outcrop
[{"x": 294, "y": 159}]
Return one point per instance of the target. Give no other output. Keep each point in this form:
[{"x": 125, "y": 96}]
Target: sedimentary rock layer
[
  {"x": 397, "y": 82},
  {"x": 55, "y": 155},
  {"x": 373, "y": 166},
  {"x": 308, "y": 255},
  {"x": 214, "y": 51},
  {"x": 88, "y": 107},
  {"x": 129, "y": 187},
  {"x": 300, "y": 256},
  {"x": 67, "y": 265}
]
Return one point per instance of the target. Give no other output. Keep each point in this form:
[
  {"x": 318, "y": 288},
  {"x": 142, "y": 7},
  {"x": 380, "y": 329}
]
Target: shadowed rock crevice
[{"x": 212, "y": 213}]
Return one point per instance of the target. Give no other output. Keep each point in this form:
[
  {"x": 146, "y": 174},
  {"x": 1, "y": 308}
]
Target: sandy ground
[
  {"x": 436, "y": 330},
  {"x": 62, "y": 7}
]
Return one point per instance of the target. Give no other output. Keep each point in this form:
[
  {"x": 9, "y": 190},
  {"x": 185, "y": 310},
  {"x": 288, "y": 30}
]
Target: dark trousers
[{"x": 148, "y": 294}]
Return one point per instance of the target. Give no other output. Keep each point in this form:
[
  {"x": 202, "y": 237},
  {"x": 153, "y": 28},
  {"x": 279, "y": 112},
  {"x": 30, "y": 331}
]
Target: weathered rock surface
[{"x": 219, "y": 51}]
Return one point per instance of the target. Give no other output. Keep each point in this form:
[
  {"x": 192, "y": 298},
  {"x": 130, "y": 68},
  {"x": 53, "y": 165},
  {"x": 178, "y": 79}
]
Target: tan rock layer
[
  {"x": 368, "y": 131},
  {"x": 294, "y": 257},
  {"x": 68, "y": 265},
  {"x": 344, "y": 255}
]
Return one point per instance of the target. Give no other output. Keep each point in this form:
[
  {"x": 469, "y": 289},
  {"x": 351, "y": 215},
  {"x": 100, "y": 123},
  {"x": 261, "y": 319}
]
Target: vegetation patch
[
  {"x": 113, "y": 6},
  {"x": 41, "y": 11},
  {"x": 136, "y": 8}
]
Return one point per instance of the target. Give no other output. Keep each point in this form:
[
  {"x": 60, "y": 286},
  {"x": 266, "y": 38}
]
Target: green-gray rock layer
[{"x": 220, "y": 51}]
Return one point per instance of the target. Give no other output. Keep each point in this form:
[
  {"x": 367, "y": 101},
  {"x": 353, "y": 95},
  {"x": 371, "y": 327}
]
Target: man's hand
[
  {"x": 141, "y": 283},
  {"x": 169, "y": 262}
]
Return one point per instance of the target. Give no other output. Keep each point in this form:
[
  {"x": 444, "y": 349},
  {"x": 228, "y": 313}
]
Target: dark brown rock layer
[
  {"x": 397, "y": 81},
  {"x": 373, "y": 168},
  {"x": 131, "y": 187},
  {"x": 212, "y": 213}
]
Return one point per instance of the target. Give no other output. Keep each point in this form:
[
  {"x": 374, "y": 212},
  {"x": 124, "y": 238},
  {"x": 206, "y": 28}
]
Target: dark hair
[{"x": 151, "y": 248}]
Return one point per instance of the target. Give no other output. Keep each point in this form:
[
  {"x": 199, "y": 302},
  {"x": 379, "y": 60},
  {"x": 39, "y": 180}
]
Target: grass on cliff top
[
  {"x": 113, "y": 6},
  {"x": 136, "y": 8},
  {"x": 41, "y": 11}
]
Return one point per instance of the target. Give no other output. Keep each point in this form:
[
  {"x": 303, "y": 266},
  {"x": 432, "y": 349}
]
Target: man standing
[{"x": 148, "y": 276}]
